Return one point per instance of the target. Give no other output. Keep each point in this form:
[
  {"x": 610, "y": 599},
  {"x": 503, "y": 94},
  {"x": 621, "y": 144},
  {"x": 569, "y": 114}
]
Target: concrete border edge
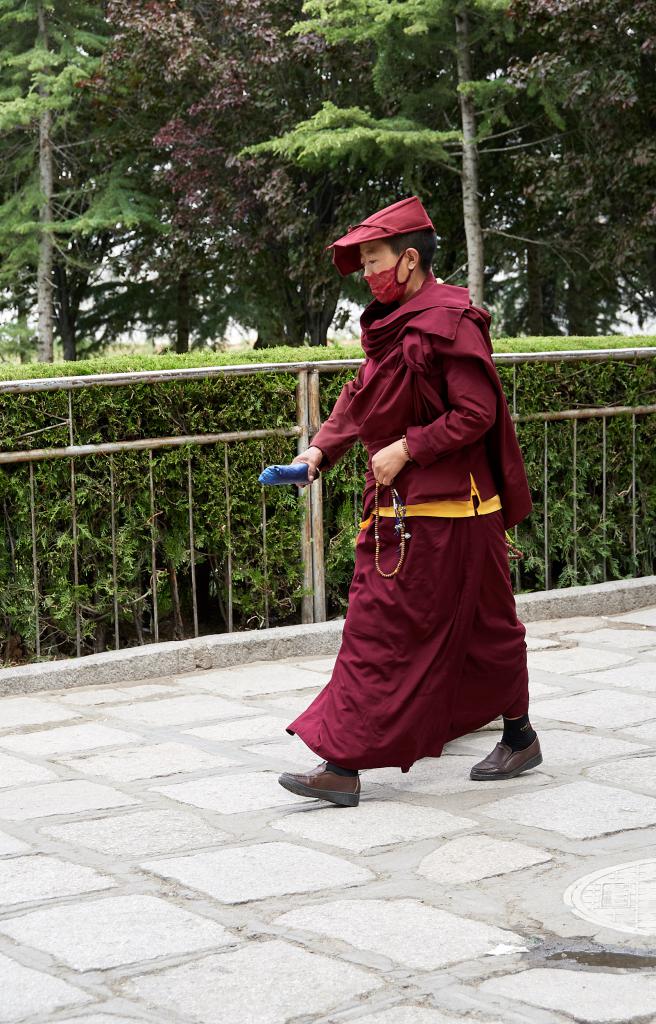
[{"x": 224, "y": 650}]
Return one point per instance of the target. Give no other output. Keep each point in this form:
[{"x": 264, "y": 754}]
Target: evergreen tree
[
  {"x": 430, "y": 104},
  {"x": 67, "y": 193}
]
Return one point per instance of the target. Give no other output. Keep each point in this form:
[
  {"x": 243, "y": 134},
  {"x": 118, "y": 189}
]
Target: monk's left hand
[{"x": 388, "y": 462}]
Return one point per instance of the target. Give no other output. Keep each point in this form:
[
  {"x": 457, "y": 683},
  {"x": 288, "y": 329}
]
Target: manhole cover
[{"x": 622, "y": 897}]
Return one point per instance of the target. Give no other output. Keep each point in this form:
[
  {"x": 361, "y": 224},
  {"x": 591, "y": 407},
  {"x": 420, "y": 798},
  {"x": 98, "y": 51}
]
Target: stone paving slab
[
  {"x": 129, "y": 763},
  {"x": 33, "y": 878},
  {"x": 10, "y": 845},
  {"x": 16, "y": 772},
  {"x": 230, "y": 794},
  {"x": 576, "y": 659},
  {"x": 598, "y": 996},
  {"x": 404, "y": 931},
  {"x": 175, "y": 710},
  {"x": 244, "y": 729},
  {"x": 579, "y": 809},
  {"x": 20, "y": 711},
  {"x": 67, "y": 739},
  {"x": 636, "y": 677},
  {"x": 260, "y": 871},
  {"x": 111, "y": 694},
  {"x": 470, "y": 858},
  {"x": 439, "y": 900},
  {"x": 372, "y": 825},
  {"x": 60, "y": 798},
  {"x": 622, "y": 639},
  {"x": 136, "y": 834},
  {"x": 256, "y": 678},
  {"x": 115, "y": 931},
  {"x": 643, "y": 616},
  {"x": 633, "y": 772},
  {"x": 264, "y": 983},
  {"x": 605, "y": 709},
  {"x": 26, "y": 992},
  {"x": 646, "y": 732}
]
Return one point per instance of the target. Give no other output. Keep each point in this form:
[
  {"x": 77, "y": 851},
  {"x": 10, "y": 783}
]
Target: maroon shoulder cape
[{"x": 411, "y": 335}]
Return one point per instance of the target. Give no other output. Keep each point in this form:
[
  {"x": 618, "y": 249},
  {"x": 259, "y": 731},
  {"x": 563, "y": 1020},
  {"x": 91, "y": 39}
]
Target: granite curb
[{"x": 224, "y": 650}]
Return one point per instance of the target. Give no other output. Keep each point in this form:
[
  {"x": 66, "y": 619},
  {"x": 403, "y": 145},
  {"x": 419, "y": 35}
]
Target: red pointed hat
[{"x": 397, "y": 219}]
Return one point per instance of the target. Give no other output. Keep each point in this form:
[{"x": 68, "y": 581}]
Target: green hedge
[
  {"x": 268, "y": 400},
  {"x": 286, "y": 353}
]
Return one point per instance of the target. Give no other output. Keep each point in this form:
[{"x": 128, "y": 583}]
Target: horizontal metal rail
[
  {"x": 583, "y": 414},
  {"x": 144, "y": 444},
  {"x": 8, "y": 387}
]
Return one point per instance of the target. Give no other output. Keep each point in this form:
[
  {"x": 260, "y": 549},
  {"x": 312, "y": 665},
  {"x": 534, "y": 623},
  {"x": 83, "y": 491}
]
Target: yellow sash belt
[{"x": 446, "y": 508}]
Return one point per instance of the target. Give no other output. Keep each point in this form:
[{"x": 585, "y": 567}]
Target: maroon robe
[{"x": 437, "y": 650}]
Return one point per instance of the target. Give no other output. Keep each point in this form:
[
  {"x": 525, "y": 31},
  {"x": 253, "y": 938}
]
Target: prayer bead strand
[{"x": 400, "y": 525}]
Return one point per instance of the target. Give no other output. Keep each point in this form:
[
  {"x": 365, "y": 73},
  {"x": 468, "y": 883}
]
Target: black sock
[
  {"x": 330, "y": 767},
  {"x": 518, "y": 733}
]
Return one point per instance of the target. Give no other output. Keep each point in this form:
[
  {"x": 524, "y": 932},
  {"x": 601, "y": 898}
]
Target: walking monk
[{"x": 432, "y": 647}]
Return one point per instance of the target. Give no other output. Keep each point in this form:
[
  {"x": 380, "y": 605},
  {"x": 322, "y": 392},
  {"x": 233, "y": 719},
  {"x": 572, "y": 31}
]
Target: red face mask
[{"x": 386, "y": 286}]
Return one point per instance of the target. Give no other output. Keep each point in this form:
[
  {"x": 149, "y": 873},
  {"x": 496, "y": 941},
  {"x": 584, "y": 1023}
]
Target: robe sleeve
[
  {"x": 339, "y": 433},
  {"x": 472, "y": 398}
]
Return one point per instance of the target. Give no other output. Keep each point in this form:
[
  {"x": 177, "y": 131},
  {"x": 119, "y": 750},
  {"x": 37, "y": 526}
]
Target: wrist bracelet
[{"x": 405, "y": 448}]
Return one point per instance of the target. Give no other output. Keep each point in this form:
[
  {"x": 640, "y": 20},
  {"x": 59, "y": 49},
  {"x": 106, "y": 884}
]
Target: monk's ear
[{"x": 412, "y": 256}]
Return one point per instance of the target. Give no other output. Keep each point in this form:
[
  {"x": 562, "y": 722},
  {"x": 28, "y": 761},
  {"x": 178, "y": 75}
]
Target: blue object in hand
[{"x": 297, "y": 473}]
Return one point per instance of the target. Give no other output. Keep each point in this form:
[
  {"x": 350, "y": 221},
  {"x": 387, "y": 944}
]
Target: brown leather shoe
[
  {"x": 505, "y": 763},
  {"x": 324, "y": 785}
]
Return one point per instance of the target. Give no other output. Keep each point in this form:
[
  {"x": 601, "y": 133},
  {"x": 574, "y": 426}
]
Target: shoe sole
[
  {"x": 341, "y": 799},
  {"x": 481, "y": 776}
]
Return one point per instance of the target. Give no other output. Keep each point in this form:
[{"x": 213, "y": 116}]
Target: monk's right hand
[{"x": 312, "y": 456}]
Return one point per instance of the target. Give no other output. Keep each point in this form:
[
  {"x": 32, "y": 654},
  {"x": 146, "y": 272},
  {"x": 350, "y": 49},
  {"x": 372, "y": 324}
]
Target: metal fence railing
[{"x": 313, "y": 608}]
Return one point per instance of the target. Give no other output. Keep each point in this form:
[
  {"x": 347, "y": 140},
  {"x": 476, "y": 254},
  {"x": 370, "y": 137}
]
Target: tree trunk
[
  {"x": 319, "y": 315},
  {"x": 183, "y": 325},
  {"x": 44, "y": 269},
  {"x": 535, "y": 310},
  {"x": 65, "y": 316},
  {"x": 580, "y": 310},
  {"x": 178, "y": 624},
  {"x": 470, "y": 202}
]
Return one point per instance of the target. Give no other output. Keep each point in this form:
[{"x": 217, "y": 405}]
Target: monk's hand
[
  {"x": 312, "y": 456},
  {"x": 388, "y": 462}
]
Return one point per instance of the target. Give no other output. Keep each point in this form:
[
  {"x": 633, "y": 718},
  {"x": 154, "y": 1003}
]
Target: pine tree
[
  {"x": 423, "y": 75},
  {"x": 67, "y": 186},
  {"x": 48, "y": 47}
]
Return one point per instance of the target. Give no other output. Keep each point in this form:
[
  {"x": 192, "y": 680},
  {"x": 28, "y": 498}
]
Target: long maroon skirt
[{"x": 433, "y": 653}]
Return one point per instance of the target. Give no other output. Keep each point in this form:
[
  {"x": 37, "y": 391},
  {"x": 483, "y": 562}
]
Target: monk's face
[{"x": 378, "y": 256}]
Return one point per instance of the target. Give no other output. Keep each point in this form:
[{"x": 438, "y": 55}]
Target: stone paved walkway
[{"x": 151, "y": 868}]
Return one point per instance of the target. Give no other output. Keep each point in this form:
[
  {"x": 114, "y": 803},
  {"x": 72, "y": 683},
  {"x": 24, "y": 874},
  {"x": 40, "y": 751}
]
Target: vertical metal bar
[
  {"x": 35, "y": 566},
  {"x": 603, "y": 491},
  {"x": 547, "y": 581},
  {"x": 307, "y": 601},
  {"x": 192, "y": 542},
  {"x": 265, "y": 560},
  {"x": 228, "y": 534},
  {"x": 112, "y": 492},
  {"x": 76, "y": 566},
  {"x": 316, "y": 506},
  {"x": 574, "y": 497},
  {"x": 516, "y": 528},
  {"x": 153, "y": 546},
  {"x": 634, "y": 511}
]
